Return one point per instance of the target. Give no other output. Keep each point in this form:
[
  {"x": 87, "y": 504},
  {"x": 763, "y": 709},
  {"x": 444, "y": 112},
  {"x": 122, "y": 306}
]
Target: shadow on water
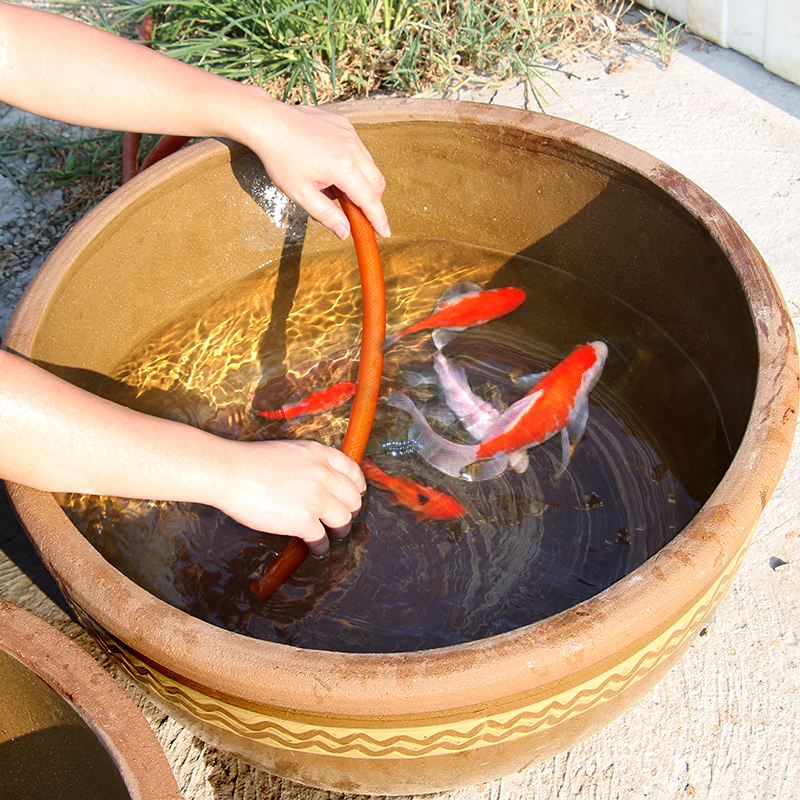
[{"x": 690, "y": 401}]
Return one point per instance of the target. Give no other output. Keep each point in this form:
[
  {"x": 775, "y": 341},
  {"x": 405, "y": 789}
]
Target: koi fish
[
  {"x": 425, "y": 502},
  {"x": 461, "y": 307},
  {"x": 322, "y": 400},
  {"x": 557, "y": 403},
  {"x": 475, "y": 414}
]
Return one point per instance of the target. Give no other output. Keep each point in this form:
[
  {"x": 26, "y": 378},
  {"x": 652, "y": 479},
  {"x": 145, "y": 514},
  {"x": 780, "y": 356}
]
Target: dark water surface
[{"x": 530, "y": 545}]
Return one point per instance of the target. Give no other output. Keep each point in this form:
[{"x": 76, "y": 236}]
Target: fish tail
[
  {"x": 448, "y": 457},
  {"x": 389, "y": 341}
]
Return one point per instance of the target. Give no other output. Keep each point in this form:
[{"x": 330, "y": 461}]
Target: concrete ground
[{"x": 725, "y": 723}]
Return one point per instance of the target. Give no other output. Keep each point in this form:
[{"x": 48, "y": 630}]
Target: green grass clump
[
  {"x": 85, "y": 166},
  {"x": 666, "y": 36},
  {"x": 314, "y": 51}
]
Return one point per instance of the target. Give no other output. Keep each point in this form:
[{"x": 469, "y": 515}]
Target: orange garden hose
[
  {"x": 370, "y": 371},
  {"x": 370, "y": 367}
]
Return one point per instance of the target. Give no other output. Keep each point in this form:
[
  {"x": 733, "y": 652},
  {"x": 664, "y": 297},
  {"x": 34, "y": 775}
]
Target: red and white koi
[
  {"x": 462, "y": 306},
  {"x": 557, "y": 403},
  {"x": 314, "y": 403},
  {"x": 424, "y": 501}
]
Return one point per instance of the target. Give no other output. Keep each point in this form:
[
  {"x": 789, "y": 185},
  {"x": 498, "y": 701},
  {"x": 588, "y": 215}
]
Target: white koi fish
[{"x": 475, "y": 414}]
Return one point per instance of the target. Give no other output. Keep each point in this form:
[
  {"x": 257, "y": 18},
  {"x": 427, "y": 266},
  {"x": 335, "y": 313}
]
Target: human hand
[
  {"x": 118, "y": 84},
  {"x": 290, "y": 487},
  {"x": 306, "y": 150}
]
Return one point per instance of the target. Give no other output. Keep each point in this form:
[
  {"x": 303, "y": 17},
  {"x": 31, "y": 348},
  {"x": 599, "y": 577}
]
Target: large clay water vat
[{"x": 510, "y": 180}]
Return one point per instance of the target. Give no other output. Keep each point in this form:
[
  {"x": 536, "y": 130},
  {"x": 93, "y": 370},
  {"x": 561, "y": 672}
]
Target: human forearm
[
  {"x": 60, "y": 68},
  {"x": 112, "y": 82},
  {"x": 57, "y": 437}
]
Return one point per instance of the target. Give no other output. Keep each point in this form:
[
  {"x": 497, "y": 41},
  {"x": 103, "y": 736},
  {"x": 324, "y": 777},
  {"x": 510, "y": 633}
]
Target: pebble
[{"x": 779, "y": 565}]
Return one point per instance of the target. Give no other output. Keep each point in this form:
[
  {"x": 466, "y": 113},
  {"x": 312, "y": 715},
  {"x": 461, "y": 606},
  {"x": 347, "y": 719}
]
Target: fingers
[
  {"x": 337, "y": 534},
  {"x": 344, "y": 162},
  {"x": 365, "y": 193},
  {"x": 366, "y": 190},
  {"x": 343, "y": 487},
  {"x": 321, "y": 546},
  {"x": 344, "y": 464}
]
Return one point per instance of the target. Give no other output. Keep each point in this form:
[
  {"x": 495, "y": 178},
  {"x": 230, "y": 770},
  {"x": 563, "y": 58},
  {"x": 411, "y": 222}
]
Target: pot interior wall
[{"x": 514, "y": 191}]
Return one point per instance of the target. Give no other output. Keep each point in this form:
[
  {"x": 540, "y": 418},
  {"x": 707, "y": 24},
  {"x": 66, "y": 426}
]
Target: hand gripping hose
[{"x": 370, "y": 370}]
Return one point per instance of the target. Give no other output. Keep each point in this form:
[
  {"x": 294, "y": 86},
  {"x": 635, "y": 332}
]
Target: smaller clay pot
[{"x": 67, "y": 729}]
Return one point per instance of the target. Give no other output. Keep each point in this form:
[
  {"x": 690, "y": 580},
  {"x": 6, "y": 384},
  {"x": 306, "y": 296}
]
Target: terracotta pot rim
[{"x": 551, "y": 648}]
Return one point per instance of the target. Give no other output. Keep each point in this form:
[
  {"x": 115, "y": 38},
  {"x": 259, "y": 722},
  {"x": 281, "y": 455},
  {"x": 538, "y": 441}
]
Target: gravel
[{"x": 31, "y": 222}]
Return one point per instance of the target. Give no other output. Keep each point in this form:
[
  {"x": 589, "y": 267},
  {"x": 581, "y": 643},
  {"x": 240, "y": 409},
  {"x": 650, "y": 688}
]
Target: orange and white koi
[
  {"x": 557, "y": 403},
  {"x": 461, "y": 307},
  {"x": 322, "y": 400},
  {"x": 424, "y": 501}
]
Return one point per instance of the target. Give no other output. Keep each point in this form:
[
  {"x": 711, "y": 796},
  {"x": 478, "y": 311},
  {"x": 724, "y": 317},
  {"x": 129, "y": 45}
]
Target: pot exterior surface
[
  {"x": 435, "y": 751},
  {"x": 513, "y": 181}
]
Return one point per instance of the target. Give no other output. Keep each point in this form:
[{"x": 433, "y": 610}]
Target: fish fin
[
  {"x": 566, "y": 452},
  {"x": 577, "y": 420},
  {"x": 572, "y": 433},
  {"x": 443, "y": 336},
  {"x": 486, "y": 469},
  {"x": 509, "y": 418},
  {"x": 455, "y": 293},
  {"x": 272, "y": 415},
  {"x": 415, "y": 378},
  {"x": 518, "y": 461},
  {"x": 527, "y": 382}
]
